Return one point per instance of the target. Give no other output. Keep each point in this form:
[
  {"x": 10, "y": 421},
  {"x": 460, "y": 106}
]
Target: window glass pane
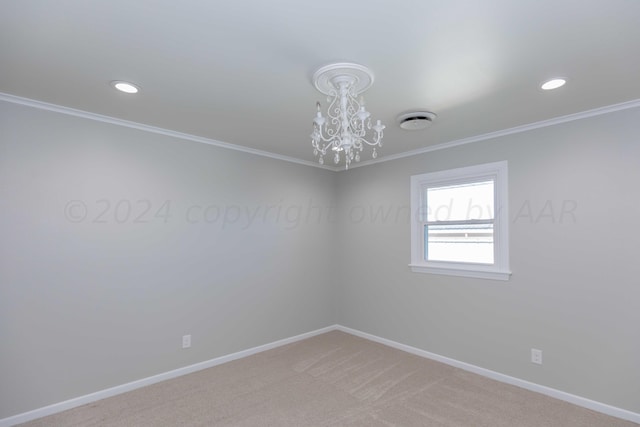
[
  {"x": 460, "y": 202},
  {"x": 459, "y": 243}
]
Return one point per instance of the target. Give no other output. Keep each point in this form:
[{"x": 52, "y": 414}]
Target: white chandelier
[{"x": 345, "y": 131}]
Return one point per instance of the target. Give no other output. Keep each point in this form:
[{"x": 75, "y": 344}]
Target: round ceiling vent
[{"x": 416, "y": 120}]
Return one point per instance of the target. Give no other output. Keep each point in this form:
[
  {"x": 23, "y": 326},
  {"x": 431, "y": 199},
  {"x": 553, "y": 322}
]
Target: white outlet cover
[
  {"x": 536, "y": 356},
  {"x": 186, "y": 341}
]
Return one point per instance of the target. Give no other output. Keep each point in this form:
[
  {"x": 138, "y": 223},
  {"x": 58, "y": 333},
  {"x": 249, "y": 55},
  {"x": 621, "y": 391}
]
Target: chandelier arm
[
  {"x": 333, "y": 112},
  {"x": 333, "y": 107},
  {"x": 377, "y": 142},
  {"x": 352, "y": 109},
  {"x": 330, "y": 134},
  {"x": 323, "y": 141}
]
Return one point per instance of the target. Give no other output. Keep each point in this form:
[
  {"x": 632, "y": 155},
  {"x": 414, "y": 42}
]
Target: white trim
[
  {"x": 154, "y": 129},
  {"x": 461, "y": 272},
  {"x": 103, "y": 394},
  {"x": 504, "y": 132},
  {"x": 518, "y": 129},
  {"x": 548, "y": 391}
]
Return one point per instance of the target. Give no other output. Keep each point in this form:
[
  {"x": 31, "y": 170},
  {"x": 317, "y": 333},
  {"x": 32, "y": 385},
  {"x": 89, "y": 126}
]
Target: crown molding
[
  {"x": 185, "y": 136},
  {"x": 510, "y": 131},
  {"x": 154, "y": 129}
]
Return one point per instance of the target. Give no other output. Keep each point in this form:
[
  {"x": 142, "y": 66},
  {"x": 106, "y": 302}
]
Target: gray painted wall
[
  {"x": 574, "y": 292},
  {"x": 94, "y": 302},
  {"x": 93, "y": 299}
]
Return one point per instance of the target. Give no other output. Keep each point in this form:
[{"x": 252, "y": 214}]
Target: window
[{"x": 460, "y": 222}]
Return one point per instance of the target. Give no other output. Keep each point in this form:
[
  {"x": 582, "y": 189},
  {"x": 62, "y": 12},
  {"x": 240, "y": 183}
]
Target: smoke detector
[{"x": 416, "y": 120}]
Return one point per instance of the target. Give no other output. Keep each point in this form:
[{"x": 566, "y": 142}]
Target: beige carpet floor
[{"x": 334, "y": 379}]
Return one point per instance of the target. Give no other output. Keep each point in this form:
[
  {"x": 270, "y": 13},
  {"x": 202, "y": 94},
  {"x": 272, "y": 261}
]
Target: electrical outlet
[
  {"x": 186, "y": 341},
  {"x": 536, "y": 356}
]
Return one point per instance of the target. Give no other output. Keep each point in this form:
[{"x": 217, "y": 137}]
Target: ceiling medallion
[{"x": 347, "y": 122}]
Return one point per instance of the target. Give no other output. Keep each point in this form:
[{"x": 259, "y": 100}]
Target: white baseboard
[
  {"x": 102, "y": 394},
  {"x": 548, "y": 391}
]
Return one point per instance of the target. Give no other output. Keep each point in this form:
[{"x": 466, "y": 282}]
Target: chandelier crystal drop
[{"x": 347, "y": 127}]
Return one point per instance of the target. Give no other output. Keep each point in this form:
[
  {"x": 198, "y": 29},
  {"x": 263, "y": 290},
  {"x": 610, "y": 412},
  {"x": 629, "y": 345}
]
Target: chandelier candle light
[{"x": 345, "y": 131}]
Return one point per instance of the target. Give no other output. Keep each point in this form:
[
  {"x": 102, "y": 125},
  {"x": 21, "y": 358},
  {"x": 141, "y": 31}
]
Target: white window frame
[{"x": 496, "y": 171}]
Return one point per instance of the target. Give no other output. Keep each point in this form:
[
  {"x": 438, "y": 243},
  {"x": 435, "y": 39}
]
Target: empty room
[{"x": 328, "y": 213}]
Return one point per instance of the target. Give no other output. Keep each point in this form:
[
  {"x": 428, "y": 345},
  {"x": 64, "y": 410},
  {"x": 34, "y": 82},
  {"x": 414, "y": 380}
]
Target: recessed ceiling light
[
  {"x": 553, "y": 84},
  {"x": 125, "y": 87}
]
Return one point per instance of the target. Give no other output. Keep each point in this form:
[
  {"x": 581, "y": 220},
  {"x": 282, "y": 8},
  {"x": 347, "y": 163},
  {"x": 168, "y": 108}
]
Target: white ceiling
[{"x": 240, "y": 71}]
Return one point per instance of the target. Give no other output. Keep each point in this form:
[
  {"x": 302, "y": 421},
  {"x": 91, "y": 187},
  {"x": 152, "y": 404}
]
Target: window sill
[{"x": 462, "y": 272}]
